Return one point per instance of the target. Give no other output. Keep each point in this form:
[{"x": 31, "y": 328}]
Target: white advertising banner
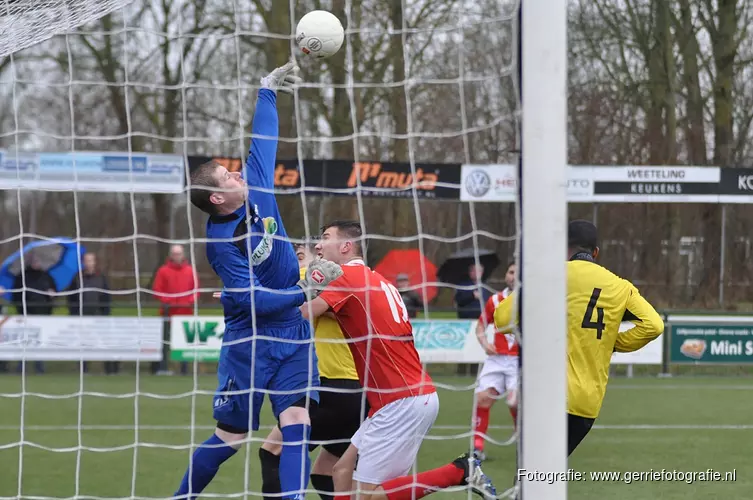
[
  {"x": 656, "y": 184},
  {"x": 498, "y": 183},
  {"x": 92, "y": 171},
  {"x": 650, "y": 354},
  {"x": 488, "y": 183},
  {"x": 447, "y": 341},
  {"x": 589, "y": 184},
  {"x": 196, "y": 337},
  {"x": 453, "y": 341},
  {"x": 74, "y": 338},
  {"x": 437, "y": 341}
]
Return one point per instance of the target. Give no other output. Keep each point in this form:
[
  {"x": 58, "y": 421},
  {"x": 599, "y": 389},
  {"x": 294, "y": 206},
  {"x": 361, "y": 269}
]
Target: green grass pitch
[{"x": 684, "y": 424}]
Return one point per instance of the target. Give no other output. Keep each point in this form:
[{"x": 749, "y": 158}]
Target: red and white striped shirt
[{"x": 504, "y": 343}]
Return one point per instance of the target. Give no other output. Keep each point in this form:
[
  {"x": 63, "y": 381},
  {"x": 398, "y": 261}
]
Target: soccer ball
[{"x": 319, "y": 34}]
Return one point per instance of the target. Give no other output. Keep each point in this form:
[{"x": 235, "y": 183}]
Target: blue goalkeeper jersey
[{"x": 249, "y": 249}]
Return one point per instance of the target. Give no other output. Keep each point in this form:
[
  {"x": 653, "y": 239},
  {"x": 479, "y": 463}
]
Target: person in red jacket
[
  {"x": 176, "y": 284},
  {"x": 176, "y": 287}
]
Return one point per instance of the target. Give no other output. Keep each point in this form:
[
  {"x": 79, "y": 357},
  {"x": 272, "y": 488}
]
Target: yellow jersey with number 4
[
  {"x": 335, "y": 358},
  {"x": 597, "y": 302}
]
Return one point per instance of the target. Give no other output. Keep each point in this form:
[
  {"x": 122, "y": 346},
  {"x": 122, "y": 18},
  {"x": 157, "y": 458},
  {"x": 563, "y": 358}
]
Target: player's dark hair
[
  {"x": 510, "y": 264},
  {"x": 582, "y": 236},
  {"x": 351, "y": 229},
  {"x": 309, "y": 245},
  {"x": 202, "y": 181}
]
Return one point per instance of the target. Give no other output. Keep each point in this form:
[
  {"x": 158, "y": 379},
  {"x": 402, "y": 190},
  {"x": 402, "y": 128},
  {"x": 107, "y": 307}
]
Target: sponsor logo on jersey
[{"x": 264, "y": 249}]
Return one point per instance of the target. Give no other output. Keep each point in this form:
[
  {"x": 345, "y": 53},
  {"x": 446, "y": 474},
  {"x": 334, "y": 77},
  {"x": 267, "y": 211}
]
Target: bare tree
[{"x": 425, "y": 81}]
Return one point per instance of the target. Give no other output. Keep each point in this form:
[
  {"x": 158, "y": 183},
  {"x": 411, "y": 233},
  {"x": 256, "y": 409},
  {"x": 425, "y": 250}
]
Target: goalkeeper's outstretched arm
[
  {"x": 262, "y": 156},
  {"x": 648, "y": 324},
  {"x": 260, "y": 164}
]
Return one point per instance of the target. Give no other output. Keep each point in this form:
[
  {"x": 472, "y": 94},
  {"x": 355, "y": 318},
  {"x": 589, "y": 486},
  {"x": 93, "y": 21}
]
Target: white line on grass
[
  {"x": 437, "y": 427},
  {"x": 681, "y": 386},
  {"x": 183, "y": 395}
]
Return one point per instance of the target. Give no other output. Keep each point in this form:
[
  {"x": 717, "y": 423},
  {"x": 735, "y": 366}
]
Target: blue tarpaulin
[{"x": 60, "y": 257}]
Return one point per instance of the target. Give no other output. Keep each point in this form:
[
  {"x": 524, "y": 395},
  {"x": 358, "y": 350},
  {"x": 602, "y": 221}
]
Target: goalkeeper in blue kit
[{"x": 267, "y": 345}]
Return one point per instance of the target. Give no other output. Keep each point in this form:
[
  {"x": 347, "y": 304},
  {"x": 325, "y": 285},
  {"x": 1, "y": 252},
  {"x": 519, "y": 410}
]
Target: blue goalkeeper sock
[
  {"x": 206, "y": 463},
  {"x": 294, "y": 460}
]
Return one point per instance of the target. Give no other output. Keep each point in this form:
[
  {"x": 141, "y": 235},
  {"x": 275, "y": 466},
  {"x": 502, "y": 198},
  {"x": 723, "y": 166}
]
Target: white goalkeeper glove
[
  {"x": 282, "y": 79},
  {"x": 319, "y": 274}
]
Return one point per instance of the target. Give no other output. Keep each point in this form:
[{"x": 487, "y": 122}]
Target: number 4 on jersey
[
  {"x": 395, "y": 301},
  {"x": 597, "y": 325}
]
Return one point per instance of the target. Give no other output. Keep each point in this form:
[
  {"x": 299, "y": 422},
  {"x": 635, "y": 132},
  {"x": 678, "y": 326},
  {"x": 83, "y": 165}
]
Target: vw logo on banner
[{"x": 478, "y": 183}]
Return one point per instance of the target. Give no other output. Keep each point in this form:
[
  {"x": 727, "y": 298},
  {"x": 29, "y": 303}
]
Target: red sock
[
  {"x": 482, "y": 425},
  {"x": 342, "y": 497},
  {"x": 422, "y": 483},
  {"x": 514, "y": 413}
]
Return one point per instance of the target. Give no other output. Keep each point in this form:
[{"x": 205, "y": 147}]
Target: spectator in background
[
  {"x": 175, "y": 285},
  {"x": 410, "y": 297},
  {"x": 91, "y": 302},
  {"x": 470, "y": 302},
  {"x": 37, "y": 296}
]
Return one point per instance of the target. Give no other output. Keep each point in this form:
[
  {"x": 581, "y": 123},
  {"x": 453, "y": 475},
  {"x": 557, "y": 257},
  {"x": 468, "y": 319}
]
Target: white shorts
[
  {"x": 500, "y": 372},
  {"x": 388, "y": 441}
]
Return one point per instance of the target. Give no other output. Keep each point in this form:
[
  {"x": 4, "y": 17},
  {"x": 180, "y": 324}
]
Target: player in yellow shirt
[
  {"x": 341, "y": 407},
  {"x": 597, "y": 302}
]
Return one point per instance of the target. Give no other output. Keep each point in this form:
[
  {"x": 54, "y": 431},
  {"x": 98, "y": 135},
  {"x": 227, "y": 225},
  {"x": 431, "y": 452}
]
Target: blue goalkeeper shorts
[{"x": 250, "y": 367}]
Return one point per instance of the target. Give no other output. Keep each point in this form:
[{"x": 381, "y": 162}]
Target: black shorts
[
  {"x": 338, "y": 415},
  {"x": 577, "y": 428}
]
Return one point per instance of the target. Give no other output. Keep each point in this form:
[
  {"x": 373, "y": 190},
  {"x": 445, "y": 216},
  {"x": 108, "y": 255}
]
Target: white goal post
[{"x": 543, "y": 445}]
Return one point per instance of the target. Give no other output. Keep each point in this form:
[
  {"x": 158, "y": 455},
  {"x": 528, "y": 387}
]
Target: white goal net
[
  {"x": 26, "y": 22},
  {"x": 109, "y": 337}
]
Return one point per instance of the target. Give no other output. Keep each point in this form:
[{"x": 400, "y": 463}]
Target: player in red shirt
[
  {"x": 401, "y": 395},
  {"x": 499, "y": 375}
]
